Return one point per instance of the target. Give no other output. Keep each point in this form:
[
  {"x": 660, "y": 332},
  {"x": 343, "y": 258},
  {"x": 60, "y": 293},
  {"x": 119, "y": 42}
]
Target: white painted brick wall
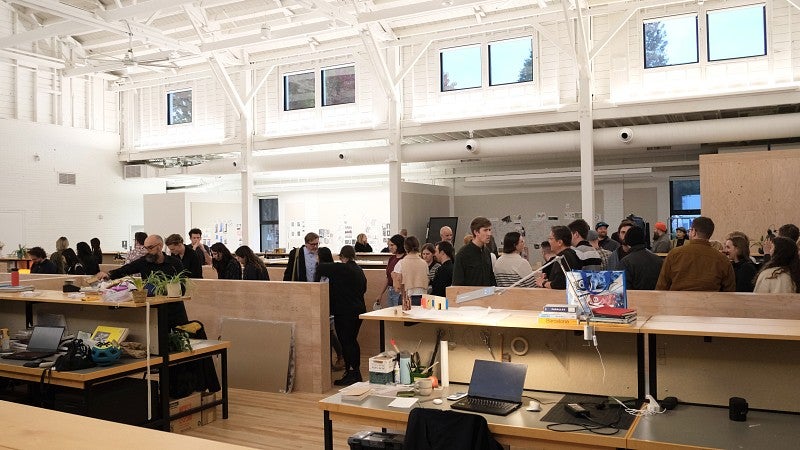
[{"x": 51, "y": 210}]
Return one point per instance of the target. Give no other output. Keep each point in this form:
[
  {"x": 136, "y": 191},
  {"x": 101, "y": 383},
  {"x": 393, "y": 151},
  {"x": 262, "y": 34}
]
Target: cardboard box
[
  {"x": 208, "y": 415},
  {"x": 184, "y": 404},
  {"x": 381, "y": 364}
]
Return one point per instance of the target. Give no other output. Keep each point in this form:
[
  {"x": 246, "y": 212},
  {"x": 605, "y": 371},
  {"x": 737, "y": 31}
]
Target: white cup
[{"x": 424, "y": 386}]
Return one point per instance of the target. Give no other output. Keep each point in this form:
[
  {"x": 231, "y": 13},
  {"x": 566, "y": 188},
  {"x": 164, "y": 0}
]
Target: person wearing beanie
[
  {"x": 605, "y": 242},
  {"x": 641, "y": 266},
  {"x": 680, "y": 237},
  {"x": 661, "y": 242}
]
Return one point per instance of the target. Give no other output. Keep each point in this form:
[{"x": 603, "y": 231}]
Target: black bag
[
  {"x": 78, "y": 356},
  {"x": 200, "y": 375}
]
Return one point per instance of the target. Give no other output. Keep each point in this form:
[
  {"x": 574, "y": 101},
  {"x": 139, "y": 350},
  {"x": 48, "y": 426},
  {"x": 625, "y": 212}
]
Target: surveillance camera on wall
[
  {"x": 625, "y": 134},
  {"x": 342, "y": 156},
  {"x": 471, "y": 146}
]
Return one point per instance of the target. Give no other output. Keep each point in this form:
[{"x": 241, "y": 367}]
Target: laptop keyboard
[{"x": 485, "y": 405}]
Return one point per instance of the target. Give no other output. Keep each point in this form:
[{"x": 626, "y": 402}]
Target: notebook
[
  {"x": 44, "y": 342},
  {"x": 495, "y": 388}
]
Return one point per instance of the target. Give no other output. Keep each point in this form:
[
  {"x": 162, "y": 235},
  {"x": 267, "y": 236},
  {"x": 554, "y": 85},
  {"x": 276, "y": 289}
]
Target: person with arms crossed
[{"x": 444, "y": 275}]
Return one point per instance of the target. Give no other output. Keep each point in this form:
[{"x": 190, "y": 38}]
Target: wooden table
[
  {"x": 522, "y": 427},
  {"x": 27, "y": 427}
]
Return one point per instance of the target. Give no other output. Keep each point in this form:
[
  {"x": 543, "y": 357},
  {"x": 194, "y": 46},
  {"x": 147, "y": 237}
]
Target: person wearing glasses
[
  {"x": 304, "y": 266},
  {"x": 153, "y": 261}
]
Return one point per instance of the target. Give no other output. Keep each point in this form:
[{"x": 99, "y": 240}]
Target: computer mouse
[
  {"x": 534, "y": 406},
  {"x": 437, "y": 401}
]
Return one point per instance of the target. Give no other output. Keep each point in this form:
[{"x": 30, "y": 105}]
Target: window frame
[
  {"x": 708, "y": 31},
  {"x": 285, "y": 87},
  {"x": 322, "y": 84},
  {"x": 489, "y": 60},
  {"x": 696, "y": 16},
  {"x": 169, "y": 98},
  {"x": 442, "y": 72}
]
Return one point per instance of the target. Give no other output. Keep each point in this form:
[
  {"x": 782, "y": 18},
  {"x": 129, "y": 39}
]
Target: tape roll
[{"x": 519, "y": 346}]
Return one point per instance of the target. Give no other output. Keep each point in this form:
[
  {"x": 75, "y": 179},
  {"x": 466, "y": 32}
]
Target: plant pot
[
  {"x": 174, "y": 290},
  {"x": 139, "y": 296},
  {"x": 150, "y": 289}
]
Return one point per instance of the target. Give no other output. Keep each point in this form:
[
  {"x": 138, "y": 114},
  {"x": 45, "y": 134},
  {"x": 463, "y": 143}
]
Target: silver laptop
[
  {"x": 495, "y": 388},
  {"x": 44, "y": 342}
]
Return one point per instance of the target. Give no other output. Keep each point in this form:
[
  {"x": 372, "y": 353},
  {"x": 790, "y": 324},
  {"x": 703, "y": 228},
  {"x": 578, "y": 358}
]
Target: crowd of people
[{"x": 692, "y": 263}]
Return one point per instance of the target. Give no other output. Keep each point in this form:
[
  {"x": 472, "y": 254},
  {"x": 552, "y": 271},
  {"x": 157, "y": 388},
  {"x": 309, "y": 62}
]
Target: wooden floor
[{"x": 274, "y": 421}]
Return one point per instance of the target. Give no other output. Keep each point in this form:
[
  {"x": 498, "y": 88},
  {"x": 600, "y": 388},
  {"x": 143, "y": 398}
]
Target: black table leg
[
  {"x": 327, "y": 425},
  {"x": 225, "y": 383}
]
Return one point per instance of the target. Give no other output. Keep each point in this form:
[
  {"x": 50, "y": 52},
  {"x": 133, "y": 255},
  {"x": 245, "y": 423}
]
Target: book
[
  {"x": 613, "y": 320},
  {"x": 10, "y": 288},
  {"x": 559, "y": 315},
  {"x": 108, "y": 334},
  {"x": 557, "y": 320},
  {"x": 550, "y": 307},
  {"x": 610, "y": 311},
  {"x": 356, "y": 393}
]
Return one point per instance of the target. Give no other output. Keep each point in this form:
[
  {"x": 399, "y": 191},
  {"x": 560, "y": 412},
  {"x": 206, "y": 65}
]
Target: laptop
[
  {"x": 44, "y": 342},
  {"x": 495, "y": 388}
]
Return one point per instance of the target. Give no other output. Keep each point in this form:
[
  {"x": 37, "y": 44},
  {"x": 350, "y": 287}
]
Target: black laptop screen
[
  {"x": 497, "y": 380},
  {"x": 45, "y": 339}
]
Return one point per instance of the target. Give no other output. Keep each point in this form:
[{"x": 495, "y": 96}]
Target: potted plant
[
  {"x": 140, "y": 294},
  {"x": 169, "y": 285},
  {"x": 21, "y": 252}
]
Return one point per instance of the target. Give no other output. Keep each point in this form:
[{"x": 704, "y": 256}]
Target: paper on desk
[
  {"x": 473, "y": 314},
  {"x": 403, "y": 402}
]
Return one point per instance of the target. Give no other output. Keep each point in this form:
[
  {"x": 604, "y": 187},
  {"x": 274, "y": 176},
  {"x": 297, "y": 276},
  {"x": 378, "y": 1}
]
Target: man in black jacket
[
  {"x": 347, "y": 287},
  {"x": 641, "y": 265},
  {"x": 560, "y": 240},
  {"x": 444, "y": 274},
  {"x": 304, "y": 267},
  {"x": 187, "y": 255},
  {"x": 155, "y": 260}
]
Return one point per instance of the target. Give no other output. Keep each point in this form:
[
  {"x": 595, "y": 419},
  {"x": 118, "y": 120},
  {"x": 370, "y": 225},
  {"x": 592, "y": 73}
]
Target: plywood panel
[
  {"x": 750, "y": 191},
  {"x": 252, "y": 364},
  {"x": 305, "y": 304}
]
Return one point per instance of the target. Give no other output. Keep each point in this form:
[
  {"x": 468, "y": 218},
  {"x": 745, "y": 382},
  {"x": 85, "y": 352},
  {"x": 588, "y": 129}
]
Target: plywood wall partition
[{"x": 750, "y": 191}]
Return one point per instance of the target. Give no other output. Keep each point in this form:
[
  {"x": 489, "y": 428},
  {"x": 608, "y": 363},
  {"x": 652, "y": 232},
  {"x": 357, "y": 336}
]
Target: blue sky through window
[
  {"x": 736, "y": 33},
  {"x": 507, "y": 59},
  {"x": 462, "y": 66}
]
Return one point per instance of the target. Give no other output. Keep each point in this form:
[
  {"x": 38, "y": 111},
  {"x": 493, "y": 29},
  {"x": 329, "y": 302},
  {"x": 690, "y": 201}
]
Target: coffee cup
[{"x": 424, "y": 386}]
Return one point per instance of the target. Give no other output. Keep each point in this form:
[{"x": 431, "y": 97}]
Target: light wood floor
[{"x": 275, "y": 421}]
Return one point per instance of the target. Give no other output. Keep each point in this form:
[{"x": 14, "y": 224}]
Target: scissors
[{"x": 486, "y": 339}]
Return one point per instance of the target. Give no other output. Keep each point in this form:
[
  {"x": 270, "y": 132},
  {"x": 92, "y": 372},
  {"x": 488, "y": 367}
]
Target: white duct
[{"x": 606, "y": 139}]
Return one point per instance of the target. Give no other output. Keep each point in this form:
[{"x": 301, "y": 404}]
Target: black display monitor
[{"x": 436, "y": 223}]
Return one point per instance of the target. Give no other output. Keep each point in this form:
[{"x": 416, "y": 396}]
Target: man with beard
[
  {"x": 153, "y": 261},
  {"x": 605, "y": 242},
  {"x": 661, "y": 242},
  {"x": 623, "y": 250}
]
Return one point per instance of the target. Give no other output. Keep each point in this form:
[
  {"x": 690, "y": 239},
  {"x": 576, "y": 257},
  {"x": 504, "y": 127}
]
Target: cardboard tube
[{"x": 444, "y": 366}]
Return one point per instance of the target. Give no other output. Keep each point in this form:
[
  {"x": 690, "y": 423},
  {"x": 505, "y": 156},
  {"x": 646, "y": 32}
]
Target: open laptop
[
  {"x": 43, "y": 343},
  {"x": 495, "y": 388}
]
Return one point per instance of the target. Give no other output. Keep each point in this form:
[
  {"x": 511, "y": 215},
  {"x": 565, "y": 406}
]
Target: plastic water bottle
[{"x": 405, "y": 368}]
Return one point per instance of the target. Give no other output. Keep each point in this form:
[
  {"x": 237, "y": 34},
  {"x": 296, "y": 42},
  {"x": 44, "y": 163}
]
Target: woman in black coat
[
  {"x": 227, "y": 267},
  {"x": 347, "y": 287},
  {"x": 252, "y": 266}
]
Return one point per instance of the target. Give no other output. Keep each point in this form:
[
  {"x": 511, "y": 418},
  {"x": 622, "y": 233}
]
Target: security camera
[
  {"x": 342, "y": 156},
  {"x": 471, "y": 146},
  {"x": 625, "y": 134},
  {"x": 234, "y": 164}
]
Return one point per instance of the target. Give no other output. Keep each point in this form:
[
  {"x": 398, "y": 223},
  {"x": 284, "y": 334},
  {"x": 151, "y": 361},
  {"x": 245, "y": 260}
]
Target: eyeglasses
[
  {"x": 150, "y": 247},
  {"x": 313, "y": 244}
]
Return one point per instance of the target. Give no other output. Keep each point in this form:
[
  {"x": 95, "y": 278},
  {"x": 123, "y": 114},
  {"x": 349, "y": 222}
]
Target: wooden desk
[
  {"x": 521, "y": 427},
  {"x": 27, "y": 427},
  {"x": 708, "y": 427},
  {"x": 707, "y": 360}
]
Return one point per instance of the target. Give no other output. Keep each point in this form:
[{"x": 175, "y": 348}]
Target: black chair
[{"x": 434, "y": 429}]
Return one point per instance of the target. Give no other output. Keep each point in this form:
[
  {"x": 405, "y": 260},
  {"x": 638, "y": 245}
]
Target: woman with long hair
[
  {"x": 57, "y": 256},
  {"x": 781, "y": 274},
  {"x": 411, "y": 274},
  {"x": 72, "y": 265},
  {"x": 362, "y": 245},
  {"x": 428, "y": 252},
  {"x": 97, "y": 253},
  {"x": 737, "y": 249},
  {"x": 90, "y": 266},
  {"x": 252, "y": 266},
  {"x": 227, "y": 267},
  {"x": 398, "y": 251}
]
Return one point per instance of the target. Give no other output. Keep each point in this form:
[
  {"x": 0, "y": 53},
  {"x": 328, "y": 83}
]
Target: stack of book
[
  {"x": 559, "y": 314},
  {"x": 612, "y": 315}
]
